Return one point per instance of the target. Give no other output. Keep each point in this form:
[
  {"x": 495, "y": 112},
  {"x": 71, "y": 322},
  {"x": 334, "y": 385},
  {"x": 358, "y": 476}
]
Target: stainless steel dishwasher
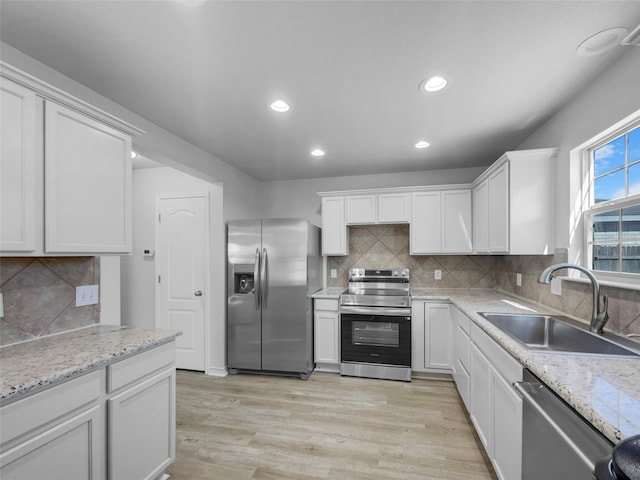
[{"x": 557, "y": 443}]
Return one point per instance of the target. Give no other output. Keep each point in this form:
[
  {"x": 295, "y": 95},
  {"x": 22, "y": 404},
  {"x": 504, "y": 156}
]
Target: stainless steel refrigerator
[{"x": 273, "y": 266}]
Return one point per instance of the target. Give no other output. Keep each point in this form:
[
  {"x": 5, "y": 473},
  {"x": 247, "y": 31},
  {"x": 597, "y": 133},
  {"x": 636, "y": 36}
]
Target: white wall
[
  {"x": 611, "y": 97},
  {"x": 298, "y": 198},
  {"x": 138, "y": 273}
]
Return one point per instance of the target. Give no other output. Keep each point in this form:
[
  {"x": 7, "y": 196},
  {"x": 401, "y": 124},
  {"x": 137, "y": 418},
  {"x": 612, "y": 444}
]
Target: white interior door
[{"x": 182, "y": 261}]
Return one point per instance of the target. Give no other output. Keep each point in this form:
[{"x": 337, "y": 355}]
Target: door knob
[{"x": 198, "y": 293}]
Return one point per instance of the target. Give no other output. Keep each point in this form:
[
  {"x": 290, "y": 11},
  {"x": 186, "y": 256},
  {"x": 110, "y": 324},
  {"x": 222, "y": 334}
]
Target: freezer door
[
  {"x": 244, "y": 331},
  {"x": 286, "y": 321}
]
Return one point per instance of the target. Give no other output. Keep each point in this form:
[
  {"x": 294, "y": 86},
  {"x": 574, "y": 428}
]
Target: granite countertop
[
  {"x": 604, "y": 390},
  {"x": 35, "y": 364},
  {"x": 329, "y": 292}
]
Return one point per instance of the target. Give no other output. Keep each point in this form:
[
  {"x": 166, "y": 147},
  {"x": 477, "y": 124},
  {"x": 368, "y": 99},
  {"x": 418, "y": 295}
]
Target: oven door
[{"x": 376, "y": 338}]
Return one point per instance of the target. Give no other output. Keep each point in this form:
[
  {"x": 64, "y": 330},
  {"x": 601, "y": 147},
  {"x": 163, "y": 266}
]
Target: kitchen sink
[{"x": 556, "y": 334}]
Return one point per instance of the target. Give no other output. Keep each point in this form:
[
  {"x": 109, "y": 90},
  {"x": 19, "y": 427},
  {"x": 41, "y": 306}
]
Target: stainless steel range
[{"x": 375, "y": 318}]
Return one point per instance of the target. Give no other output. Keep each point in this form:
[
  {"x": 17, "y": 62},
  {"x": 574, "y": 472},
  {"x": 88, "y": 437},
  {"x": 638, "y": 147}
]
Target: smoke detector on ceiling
[{"x": 633, "y": 38}]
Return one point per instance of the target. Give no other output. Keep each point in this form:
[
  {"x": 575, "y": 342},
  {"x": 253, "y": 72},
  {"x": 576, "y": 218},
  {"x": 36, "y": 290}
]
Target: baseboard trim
[{"x": 217, "y": 372}]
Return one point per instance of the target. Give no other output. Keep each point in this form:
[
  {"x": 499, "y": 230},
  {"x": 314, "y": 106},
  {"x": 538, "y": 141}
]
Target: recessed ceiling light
[
  {"x": 601, "y": 42},
  {"x": 280, "y": 106},
  {"x": 317, "y": 152},
  {"x": 422, "y": 144},
  {"x": 433, "y": 84},
  {"x": 133, "y": 154}
]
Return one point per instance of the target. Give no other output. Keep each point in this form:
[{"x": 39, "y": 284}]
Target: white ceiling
[{"x": 349, "y": 69}]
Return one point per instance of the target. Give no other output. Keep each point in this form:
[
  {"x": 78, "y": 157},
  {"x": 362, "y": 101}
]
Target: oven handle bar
[
  {"x": 393, "y": 312},
  {"x": 521, "y": 387}
]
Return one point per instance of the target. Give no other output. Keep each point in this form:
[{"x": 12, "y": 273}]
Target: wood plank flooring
[{"x": 328, "y": 427}]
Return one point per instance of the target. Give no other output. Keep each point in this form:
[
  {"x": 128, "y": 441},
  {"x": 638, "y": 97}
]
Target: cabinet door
[
  {"x": 142, "y": 424},
  {"x": 425, "y": 232},
  {"x": 334, "y": 228},
  {"x": 499, "y": 210},
  {"x": 73, "y": 449},
  {"x": 394, "y": 207},
  {"x": 87, "y": 184},
  {"x": 361, "y": 209},
  {"x": 438, "y": 337},
  {"x": 456, "y": 216},
  {"x": 481, "y": 398},
  {"x": 481, "y": 217},
  {"x": 20, "y": 173},
  {"x": 327, "y": 337},
  {"x": 507, "y": 435}
]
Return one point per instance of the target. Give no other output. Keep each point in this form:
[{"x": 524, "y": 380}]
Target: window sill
[{"x": 627, "y": 284}]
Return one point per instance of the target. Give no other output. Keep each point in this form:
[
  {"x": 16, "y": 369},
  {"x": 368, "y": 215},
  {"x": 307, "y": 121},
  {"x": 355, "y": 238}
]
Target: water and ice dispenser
[{"x": 243, "y": 279}]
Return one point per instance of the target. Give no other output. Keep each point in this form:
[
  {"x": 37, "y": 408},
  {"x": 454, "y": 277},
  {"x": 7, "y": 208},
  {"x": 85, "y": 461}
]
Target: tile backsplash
[
  {"x": 380, "y": 246},
  {"x": 39, "y": 295},
  {"x": 576, "y": 298}
]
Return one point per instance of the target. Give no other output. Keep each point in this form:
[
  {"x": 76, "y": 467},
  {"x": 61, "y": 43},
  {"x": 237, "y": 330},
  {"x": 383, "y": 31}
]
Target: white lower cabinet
[
  {"x": 431, "y": 337},
  {"x": 507, "y": 425},
  {"x": 58, "y": 433},
  {"x": 326, "y": 335},
  {"x": 142, "y": 415},
  {"x": 496, "y": 409},
  {"x": 461, "y": 355},
  {"x": 71, "y": 449},
  {"x": 65, "y": 432}
]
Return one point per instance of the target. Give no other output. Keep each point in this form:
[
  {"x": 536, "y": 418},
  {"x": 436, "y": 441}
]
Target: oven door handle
[{"x": 392, "y": 312}]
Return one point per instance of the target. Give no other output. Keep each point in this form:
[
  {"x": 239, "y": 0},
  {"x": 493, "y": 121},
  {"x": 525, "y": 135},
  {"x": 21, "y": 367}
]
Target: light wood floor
[{"x": 328, "y": 427}]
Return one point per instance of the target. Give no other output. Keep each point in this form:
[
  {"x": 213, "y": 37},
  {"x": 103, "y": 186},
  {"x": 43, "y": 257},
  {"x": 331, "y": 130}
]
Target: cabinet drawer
[
  {"x": 39, "y": 410},
  {"x": 127, "y": 371},
  {"x": 507, "y": 366},
  {"x": 326, "y": 304},
  {"x": 462, "y": 319},
  {"x": 461, "y": 347},
  {"x": 461, "y": 377}
]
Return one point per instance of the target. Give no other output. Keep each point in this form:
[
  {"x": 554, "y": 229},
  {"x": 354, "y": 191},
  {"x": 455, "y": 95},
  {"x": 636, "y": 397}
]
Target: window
[{"x": 613, "y": 216}]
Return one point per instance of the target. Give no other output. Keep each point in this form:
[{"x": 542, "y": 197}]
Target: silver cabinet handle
[{"x": 198, "y": 293}]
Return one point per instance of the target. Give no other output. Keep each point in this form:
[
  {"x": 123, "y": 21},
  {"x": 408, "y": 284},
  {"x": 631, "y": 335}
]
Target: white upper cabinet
[
  {"x": 88, "y": 184},
  {"x": 20, "y": 177},
  {"x": 361, "y": 209},
  {"x": 512, "y": 203},
  {"x": 378, "y": 208},
  {"x": 394, "y": 207},
  {"x": 65, "y": 173},
  {"x": 441, "y": 222},
  {"x": 334, "y": 229}
]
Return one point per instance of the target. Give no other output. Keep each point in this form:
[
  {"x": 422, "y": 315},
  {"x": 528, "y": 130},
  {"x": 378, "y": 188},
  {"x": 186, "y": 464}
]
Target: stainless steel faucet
[{"x": 598, "y": 318}]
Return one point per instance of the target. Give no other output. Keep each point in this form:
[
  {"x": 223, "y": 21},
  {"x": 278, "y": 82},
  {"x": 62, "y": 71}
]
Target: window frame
[{"x": 591, "y": 209}]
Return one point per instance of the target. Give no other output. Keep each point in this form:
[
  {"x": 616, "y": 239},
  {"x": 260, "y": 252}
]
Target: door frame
[{"x": 207, "y": 267}]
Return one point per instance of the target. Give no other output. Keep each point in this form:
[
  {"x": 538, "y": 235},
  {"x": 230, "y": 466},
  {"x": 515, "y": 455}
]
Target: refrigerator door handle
[
  {"x": 264, "y": 280},
  {"x": 256, "y": 276}
]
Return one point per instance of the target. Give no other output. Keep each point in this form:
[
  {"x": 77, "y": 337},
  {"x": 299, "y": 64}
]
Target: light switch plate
[
  {"x": 1, "y": 306},
  {"x": 437, "y": 274},
  {"x": 86, "y": 295},
  {"x": 556, "y": 286},
  {"x": 518, "y": 279},
  {"x": 334, "y": 273}
]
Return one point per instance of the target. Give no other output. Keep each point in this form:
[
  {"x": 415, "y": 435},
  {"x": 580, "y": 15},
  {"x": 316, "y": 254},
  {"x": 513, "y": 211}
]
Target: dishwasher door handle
[{"x": 526, "y": 396}]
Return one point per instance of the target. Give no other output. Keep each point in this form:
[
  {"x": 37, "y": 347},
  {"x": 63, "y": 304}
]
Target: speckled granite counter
[
  {"x": 604, "y": 390},
  {"x": 35, "y": 364},
  {"x": 330, "y": 292}
]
